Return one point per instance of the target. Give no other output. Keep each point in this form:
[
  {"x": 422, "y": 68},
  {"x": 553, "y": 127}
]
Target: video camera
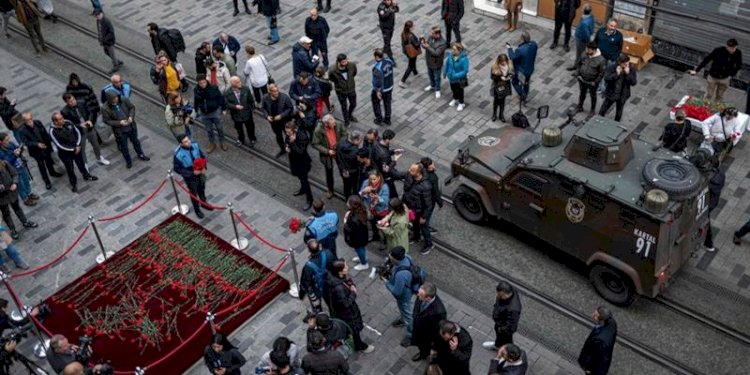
[
  {"x": 183, "y": 111},
  {"x": 20, "y": 332},
  {"x": 383, "y": 270}
]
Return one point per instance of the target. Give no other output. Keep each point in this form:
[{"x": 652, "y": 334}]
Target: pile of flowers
[{"x": 699, "y": 108}]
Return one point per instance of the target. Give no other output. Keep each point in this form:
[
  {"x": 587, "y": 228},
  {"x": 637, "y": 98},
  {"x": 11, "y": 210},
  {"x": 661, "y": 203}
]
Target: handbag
[
  {"x": 268, "y": 72},
  {"x": 412, "y": 51},
  {"x": 463, "y": 82}
]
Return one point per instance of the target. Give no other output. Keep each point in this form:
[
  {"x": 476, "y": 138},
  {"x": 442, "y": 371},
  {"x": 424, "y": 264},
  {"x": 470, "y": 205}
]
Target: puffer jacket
[
  {"x": 418, "y": 195},
  {"x": 435, "y": 52},
  {"x": 591, "y": 68},
  {"x": 456, "y": 69},
  {"x": 301, "y": 60}
]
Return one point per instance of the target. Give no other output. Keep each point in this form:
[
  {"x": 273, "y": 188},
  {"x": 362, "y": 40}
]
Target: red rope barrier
[
  {"x": 164, "y": 358},
  {"x": 136, "y": 208},
  {"x": 255, "y": 291},
  {"x": 202, "y": 202},
  {"x": 49, "y": 264},
  {"x": 256, "y": 235},
  {"x": 15, "y": 297}
]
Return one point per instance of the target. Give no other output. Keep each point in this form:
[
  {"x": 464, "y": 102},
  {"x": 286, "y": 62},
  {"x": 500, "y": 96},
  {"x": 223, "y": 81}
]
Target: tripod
[{"x": 30, "y": 366}]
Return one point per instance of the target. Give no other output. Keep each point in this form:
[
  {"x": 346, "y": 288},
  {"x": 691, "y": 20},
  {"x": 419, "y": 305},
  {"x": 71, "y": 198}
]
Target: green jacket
[
  {"x": 320, "y": 141},
  {"x": 397, "y": 233},
  {"x": 341, "y": 85}
]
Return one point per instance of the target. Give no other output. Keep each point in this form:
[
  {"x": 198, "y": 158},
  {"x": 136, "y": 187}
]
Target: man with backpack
[
  {"x": 313, "y": 278},
  {"x": 323, "y": 226},
  {"x": 169, "y": 40},
  {"x": 406, "y": 278}
]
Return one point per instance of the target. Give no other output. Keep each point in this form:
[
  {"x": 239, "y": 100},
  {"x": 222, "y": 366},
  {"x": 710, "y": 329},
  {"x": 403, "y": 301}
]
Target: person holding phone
[{"x": 453, "y": 352}]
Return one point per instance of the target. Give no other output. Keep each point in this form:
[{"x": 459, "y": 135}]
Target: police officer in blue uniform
[
  {"x": 184, "y": 159},
  {"x": 323, "y": 226}
]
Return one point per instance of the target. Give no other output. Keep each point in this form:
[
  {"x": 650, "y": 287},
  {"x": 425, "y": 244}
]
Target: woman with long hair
[
  {"x": 456, "y": 70},
  {"x": 355, "y": 230},
  {"x": 175, "y": 114},
  {"x": 395, "y": 225},
  {"x": 221, "y": 354},
  {"x": 343, "y": 296},
  {"x": 500, "y": 73},
  {"x": 412, "y": 48},
  {"x": 374, "y": 193}
]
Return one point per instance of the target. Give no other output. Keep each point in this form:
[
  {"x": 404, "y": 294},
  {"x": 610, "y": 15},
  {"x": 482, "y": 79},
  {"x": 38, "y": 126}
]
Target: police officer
[
  {"x": 323, "y": 226},
  {"x": 190, "y": 162},
  {"x": 387, "y": 21}
]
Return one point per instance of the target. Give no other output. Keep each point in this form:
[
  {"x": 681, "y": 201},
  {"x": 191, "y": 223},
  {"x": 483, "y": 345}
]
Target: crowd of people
[{"x": 302, "y": 117}]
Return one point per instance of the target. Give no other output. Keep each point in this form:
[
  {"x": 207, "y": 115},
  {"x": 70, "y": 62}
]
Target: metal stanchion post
[
  {"x": 140, "y": 371},
  {"x": 239, "y": 243},
  {"x": 294, "y": 288},
  {"x": 210, "y": 319},
  {"x": 181, "y": 208},
  {"x": 40, "y": 349},
  {"x": 105, "y": 254}
]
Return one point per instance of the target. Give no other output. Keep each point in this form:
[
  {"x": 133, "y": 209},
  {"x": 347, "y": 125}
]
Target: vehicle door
[{"x": 523, "y": 200}]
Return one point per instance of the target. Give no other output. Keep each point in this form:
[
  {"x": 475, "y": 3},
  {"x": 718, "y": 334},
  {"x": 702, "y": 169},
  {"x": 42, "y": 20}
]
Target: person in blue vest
[
  {"x": 190, "y": 163},
  {"x": 523, "y": 58},
  {"x": 323, "y": 226},
  {"x": 382, "y": 87},
  {"x": 313, "y": 278}
]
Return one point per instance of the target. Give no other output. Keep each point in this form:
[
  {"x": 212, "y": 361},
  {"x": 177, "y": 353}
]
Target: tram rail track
[{"x": 648, "y": 352}]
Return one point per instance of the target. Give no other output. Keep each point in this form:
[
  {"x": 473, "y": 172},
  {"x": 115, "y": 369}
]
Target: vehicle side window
[{"x": 527, "y": 181}]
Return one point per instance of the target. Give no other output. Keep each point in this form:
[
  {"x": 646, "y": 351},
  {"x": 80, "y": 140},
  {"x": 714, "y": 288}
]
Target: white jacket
[
  {"x": 222, "y": 77},
  {"x": 256, "y": 71},
  {"x": 713, "y": 126}
]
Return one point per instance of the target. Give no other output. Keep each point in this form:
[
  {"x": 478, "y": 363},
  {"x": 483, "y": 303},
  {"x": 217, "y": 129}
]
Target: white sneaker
[
  {"x": 710, "y": 249},
  {"x": 361, "y": 267},
  {"x": 369, "y": 349},
  {"x": 437, "y": 94},
  {"x": 355, "y": 259},
  {"x": 103, "y": 161},
  {"x": 428, "y": 88},
  {"x": 489, "y": 345},
  {"x": 401, "y": 84},
  {"x": 460, "y": 107},
  {"x": 453, "y": 102}
]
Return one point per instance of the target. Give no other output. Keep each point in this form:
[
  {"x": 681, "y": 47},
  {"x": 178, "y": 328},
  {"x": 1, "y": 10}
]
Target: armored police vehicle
[{"x": 633, "y": 214}]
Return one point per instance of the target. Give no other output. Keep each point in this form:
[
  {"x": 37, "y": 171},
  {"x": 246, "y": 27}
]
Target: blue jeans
[
  {"x": 12, "y": 254},
  {"x": 362, "y": 254},
  {"x": 24, "y": 183},
  {"x": 96, "y": 4},
  {"x": 274, "y": 30},
  {"x": 434, "y": 75},
  {"x": 522, "y": 88},
  {"x": 213, "y": 121},
  {"x": 405, "y": 308}
]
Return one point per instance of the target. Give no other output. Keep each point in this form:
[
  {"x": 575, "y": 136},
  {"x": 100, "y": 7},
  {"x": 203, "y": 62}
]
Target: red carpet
[{"x": 153, "y": 295}]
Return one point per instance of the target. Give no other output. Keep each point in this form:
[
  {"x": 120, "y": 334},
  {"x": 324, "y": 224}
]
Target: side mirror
[{"x": 542, "y": 112}]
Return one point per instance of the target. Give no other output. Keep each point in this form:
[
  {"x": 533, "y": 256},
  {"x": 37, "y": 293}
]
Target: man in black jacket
[
  {"x": 239, "y": 100},
  {"x": 316, "y": 28},
  {"x": 716, "y": 180},
  {"x": 618, "y": 79},
  {"x": 78, "y": 113},
  {"x": 437, "y": 193},
  {"x": 387, "y": 21},
  {"x": 322, "y": 360},
  {"x": 346, "y": 159},
  {"x": 106, "y": 34},
  {"x": 453, "y": 350},
  {"x": 279, "y": 109},
  {"x": 590, "y": 69},
  {"x": 66, "y": 139},
  {"x": 429, "y": 311},
  {"x": 342, "y": 77},
  {"x": 451, "y": 12},
  {"x": 418, "y": 197},
  {"x": 312, "y": 278},
  {"x": 300, "y": 163},
  {"x": 725, "y": 63},
  {"x": 203, "y": 58},
  {"x": 34, "y": 136},
  {"x": 565, "y": 12},
  {"x": 119, "y": 113},
  {"x": 506, "y": 314},
  {"x": 160, "y": 40},
  {"x": 209, "y": 104},
  {"x": 382, "y": 156},
  {"x": 510, "y": 360},
  {"x": 596, "y": 354},
  {"x": 8, "y": 109}
]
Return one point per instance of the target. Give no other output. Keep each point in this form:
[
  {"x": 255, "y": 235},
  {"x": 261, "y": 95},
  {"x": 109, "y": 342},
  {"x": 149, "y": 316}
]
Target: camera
[
  {"x": 16, "y": 334},
  {"x": 208, "y": 61},
  {"x": 263, "y": 369},
  {"x": 383, "y": 270},
  {"x": 84, "y": 349},
  {"x": 183, "y": 111}
]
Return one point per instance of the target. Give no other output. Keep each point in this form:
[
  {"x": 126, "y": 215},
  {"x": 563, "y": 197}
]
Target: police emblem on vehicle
[
  {"x": 488, "y": 141},
  {"x": 575, "y": 210}
]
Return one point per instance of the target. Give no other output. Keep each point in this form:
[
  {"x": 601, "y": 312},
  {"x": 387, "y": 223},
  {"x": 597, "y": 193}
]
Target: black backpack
[
  {"x": 178, "y": 42},
  {"x": 418, "y": 275},
  {"x": 519, "y": 119}
]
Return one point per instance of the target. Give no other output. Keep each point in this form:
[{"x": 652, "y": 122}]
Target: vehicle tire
[
  {"x": 677, "y": 177},
  {"x": 612, "y": 285},
  {"x": 469, "y": 205}
]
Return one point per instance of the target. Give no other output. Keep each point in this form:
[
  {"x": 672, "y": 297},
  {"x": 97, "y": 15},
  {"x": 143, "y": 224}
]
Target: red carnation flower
[
  {"x": 199, "y": 164},
  {"x": 295, "y": 224}
]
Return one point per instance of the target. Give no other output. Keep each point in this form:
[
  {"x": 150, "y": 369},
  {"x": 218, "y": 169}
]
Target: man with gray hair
[
  {"x": 60, "y": 353},
  {"x": 596, "y": 354},
  {"x": 346, "y": 158},
  {"x": 325, "y": 140},
  {"x": 239, "y": 100},
  {"x": 428, "y": 312}
]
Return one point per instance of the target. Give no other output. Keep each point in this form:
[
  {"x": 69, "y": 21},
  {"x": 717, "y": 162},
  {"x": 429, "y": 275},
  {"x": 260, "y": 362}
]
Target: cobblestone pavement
[
  {"x": 427, "y": 126},
  {"x": 62, "y": 214}
]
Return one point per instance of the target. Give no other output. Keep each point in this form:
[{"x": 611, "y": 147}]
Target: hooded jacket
[
  {"x": 301, "y": 60},
  {"x": 456, "y": 69}
]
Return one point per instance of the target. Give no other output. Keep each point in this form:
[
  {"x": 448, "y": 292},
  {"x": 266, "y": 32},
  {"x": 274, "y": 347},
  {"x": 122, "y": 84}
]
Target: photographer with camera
[
  {"x": 313, "y": 277},
  {"x": 305, "y": 93},
  {"x": 7, "y": 323},
  {"x": 336, "y": 332},
  {"x": 178, "y": 114},
  {"x": 398, "y": 280},
  {"x": 61, "y": 352},
  {"x": 76, "y": 368}
]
